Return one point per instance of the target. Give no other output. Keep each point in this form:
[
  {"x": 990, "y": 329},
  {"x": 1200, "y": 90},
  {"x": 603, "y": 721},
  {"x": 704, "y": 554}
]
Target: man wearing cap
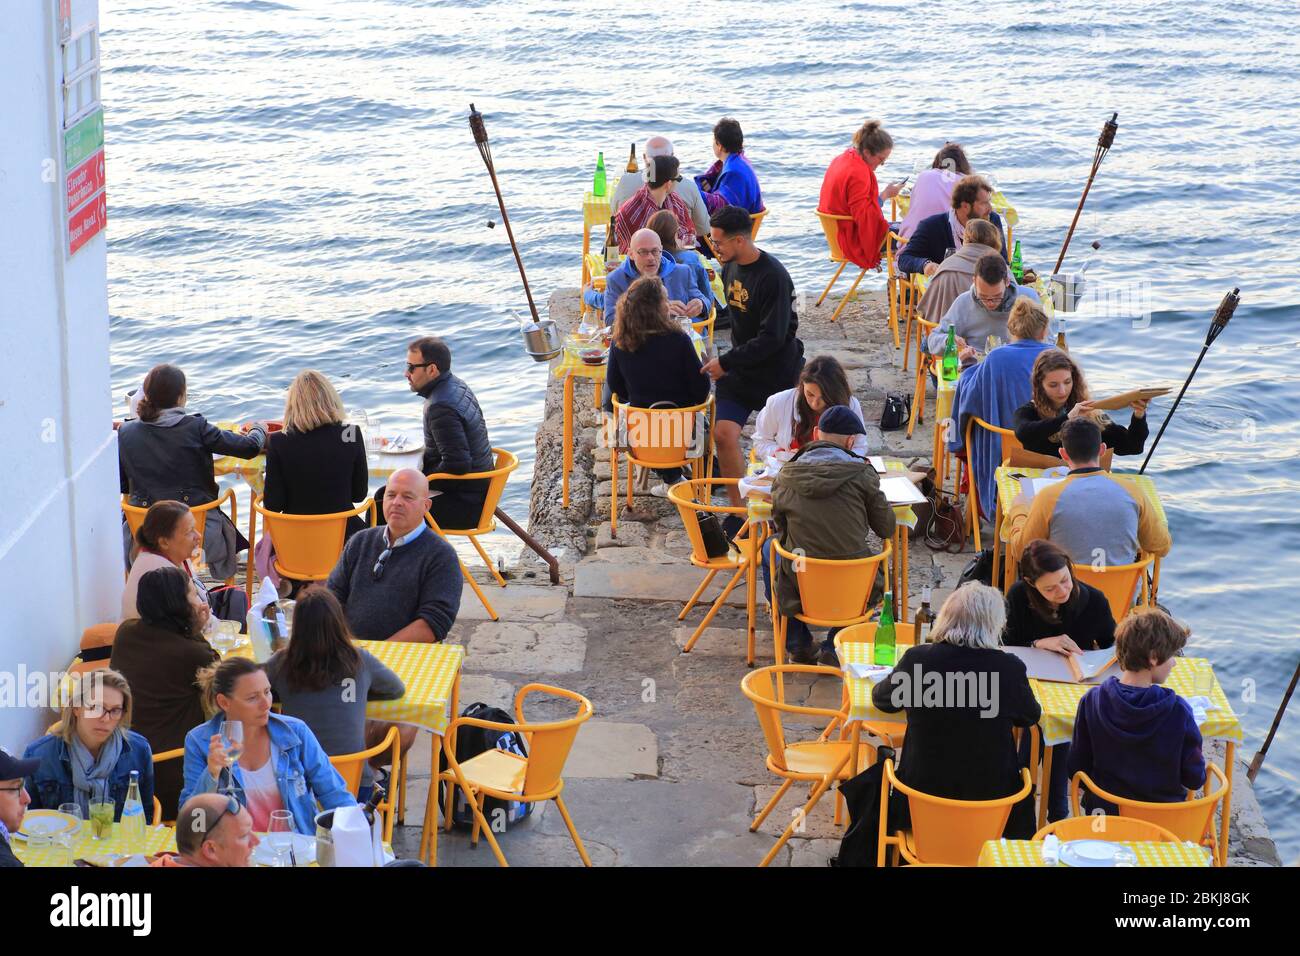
[
  {"x": 686, "y": 190},
  {"x": 824, "y": 501},
  {"x": 659, "y": 192},
  {"x": 13, "y": 801},
  {"x": 212, "y": 830}
]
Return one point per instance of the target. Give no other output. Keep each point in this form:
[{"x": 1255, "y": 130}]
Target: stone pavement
[{"x": 670, "y": 770}]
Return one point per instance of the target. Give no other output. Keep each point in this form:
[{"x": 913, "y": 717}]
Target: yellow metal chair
[
  {"x": 1192, "y": 819},
  {"x": 821, "y": 762},
  {"x": 351, "y": 767},
  {"x": 694, "y": 498},
  {"x": 1102, "y": 826},
  {"x": 1010, "y": 445},
  {"x": 163, "y": 757},
  {"x": 506, "y": 462},
  {"x": 944, "y": 832},
  {"x": 307, "y": 547},
  {"x": 656, "y": 438},
  {"x": 831, "y": 227},
  {"x": 924, "y": 363},
  {"x": 756, "y": 220},
  {"x": 831, "y": 593},
  {"x": 508, "y": 776},
  {"x": 903, "y": 294},
  {"x": 1120, "y": 583},
  {"x": 705, "y": 326},
  {"x": 135, "y": 516}
]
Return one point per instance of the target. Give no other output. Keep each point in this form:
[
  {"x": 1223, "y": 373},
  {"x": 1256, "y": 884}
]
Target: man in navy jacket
[{"x": 972, "y": 197}]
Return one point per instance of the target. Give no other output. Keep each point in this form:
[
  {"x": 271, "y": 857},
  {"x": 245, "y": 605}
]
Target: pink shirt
[
  {"x": 263, "y": 794},
  {"x": 931, "y": 193}
]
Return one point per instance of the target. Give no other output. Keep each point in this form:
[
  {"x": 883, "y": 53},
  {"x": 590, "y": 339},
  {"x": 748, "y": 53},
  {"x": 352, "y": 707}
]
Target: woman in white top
[
  {"x": 786, "y": 422},
  {"x": 166, "y": 538}
]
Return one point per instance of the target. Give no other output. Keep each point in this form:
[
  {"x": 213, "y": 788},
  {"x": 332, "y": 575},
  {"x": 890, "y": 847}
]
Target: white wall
[{"x": 60, "y": 544}]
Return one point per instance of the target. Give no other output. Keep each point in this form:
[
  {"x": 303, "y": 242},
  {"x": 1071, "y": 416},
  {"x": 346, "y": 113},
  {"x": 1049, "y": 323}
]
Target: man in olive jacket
[{"x": 823, "y": 502}]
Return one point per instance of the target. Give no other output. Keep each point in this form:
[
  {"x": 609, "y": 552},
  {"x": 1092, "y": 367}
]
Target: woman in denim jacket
[
  {"x": 91, "y": 752},
  {"x": 282, "y": 766}
]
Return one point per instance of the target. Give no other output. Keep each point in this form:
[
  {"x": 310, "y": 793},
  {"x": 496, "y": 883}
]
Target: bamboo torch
[{"x": 1104, "y": 143}]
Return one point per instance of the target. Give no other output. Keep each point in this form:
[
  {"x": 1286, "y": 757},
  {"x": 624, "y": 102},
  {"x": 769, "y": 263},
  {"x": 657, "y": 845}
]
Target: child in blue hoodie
[{"x": 1133, "y": 737}]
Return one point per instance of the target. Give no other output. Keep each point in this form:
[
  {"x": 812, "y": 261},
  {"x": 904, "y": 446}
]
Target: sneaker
[
  {"x": 828, "y": 658},
  {"x": 661, "y": 490},
  {"x": 804, "y": 655}
]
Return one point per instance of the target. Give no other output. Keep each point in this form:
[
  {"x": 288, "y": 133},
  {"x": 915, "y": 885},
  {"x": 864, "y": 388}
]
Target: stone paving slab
[
  {"x": 674, "y": 581},
  {"x": 613, "y": 750},
  {"x": 516, "y": 647},
  {"x": 516, "y": 602},
  {"x": 718, "y": 641}
]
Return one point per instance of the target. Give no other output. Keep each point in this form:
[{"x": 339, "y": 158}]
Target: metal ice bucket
[
  {"x": 542, "y": 340},
  {"x": 1066, "y": 291}
]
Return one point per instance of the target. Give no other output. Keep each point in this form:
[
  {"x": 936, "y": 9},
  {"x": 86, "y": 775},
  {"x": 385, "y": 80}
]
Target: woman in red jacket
[{"x": 850, "y": 189}]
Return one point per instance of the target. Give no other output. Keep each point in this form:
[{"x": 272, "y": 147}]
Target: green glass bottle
[
  {"x": 951, "y": 366},
  {"x": 598, "y": 182},
  {"x": 882, "y": 651},
  {"x": 1017, "y": 266}
]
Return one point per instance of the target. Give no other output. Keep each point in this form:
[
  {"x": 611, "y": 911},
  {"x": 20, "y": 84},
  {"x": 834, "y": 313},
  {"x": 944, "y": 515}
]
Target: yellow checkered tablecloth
[
  {"x": 85, "y": 847},
  {"x": 1060, "y": 702},
  {"x": 860, "y": 705},
  {"x": 595, "y": 209},
  {"x": 570, "y": 364},
  {"x": 1149, "y": 853},
  {"x": 1009, "y": 488},
  {"x": 428, "y": 671}
]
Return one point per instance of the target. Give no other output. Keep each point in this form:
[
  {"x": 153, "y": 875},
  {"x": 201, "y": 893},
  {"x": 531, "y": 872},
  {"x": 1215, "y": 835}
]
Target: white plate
[
  {"x": 1091, "y": 853},
  {"x": 47, "y": 823},
  {"x": 304, "y": 849}
]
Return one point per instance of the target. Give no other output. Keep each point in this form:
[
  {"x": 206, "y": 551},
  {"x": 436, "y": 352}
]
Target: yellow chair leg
[
  {"x": 401, "y": 795},
  {"x": 486, "y": 560},
  {"x": 807, "y": 808},
  {"x": 473, "y": 837},
  {"x": 845, "y": 301},
  {"x": 613, "y": 492},
  {"x": 479, "y": 820},
  {"x": 834, "y": 278},
  {"x": 713, "y": 611},
  {"x": 973, "y": 504},
  {"x": 573, "y": 831},
  {"x": 771, "y": 804},
  {"x": 695, "y": 598},
  {"x": 478, "y": 591}
]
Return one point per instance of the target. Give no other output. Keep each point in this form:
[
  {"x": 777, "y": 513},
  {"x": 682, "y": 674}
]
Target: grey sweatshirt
[{"x": 975, "y": 322}]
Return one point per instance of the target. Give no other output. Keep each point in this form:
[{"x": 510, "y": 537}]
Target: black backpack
[
  {"x": 472, "y": 741},
  {"x": 896, "y": 412}
]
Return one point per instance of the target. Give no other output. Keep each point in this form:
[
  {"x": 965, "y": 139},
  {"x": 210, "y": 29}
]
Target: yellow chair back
[
  {"x": 904, "y": 634},
  {"x": 548, "y": 743},
  {"x": 506, "y": 462},
  {"x": 831, "y": 227},
  {"x": 659, "y": 437},
  {"x": 1103, "y": 826},
  {"x": 952, "y": 832},
  {"x": 1119, "y": 582},
  {"x": 762, "y": 687},
  {"x": 756, "y": 220},
  {"x": 1188, "y": 820},
  {"x": 135, "y": 514},
  {"x": 834, "y": 590},
  {"x": 308, "y": 546},
  {"x": 350, "y": 767}
]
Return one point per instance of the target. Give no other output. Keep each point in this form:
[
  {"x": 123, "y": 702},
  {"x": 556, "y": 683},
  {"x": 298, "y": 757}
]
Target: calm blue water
[{"x": 294, "y": 185}]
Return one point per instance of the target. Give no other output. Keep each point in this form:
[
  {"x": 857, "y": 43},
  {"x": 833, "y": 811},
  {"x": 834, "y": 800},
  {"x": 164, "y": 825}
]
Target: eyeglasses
[
  {"x": 378, "y": 569},
  {"x": 232, "y": 807},
  {"x": 411, "y": 367},
  {"x": 113, "y": 713},
  {"x": 11, "y": 789},
  {"x": 648, "y": 252}
]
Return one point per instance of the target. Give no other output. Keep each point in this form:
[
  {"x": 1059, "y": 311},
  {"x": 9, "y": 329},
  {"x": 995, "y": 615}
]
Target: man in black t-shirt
[{"x": 765, "y": 355}]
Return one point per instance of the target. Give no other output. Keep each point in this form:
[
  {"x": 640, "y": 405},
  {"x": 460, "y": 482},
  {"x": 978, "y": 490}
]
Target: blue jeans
[
  {"x": 797, "y": 635},
  {"x": 1058, "y": 788}
]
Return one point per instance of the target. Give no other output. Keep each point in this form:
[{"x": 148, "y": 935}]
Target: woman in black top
[
  {"x": 962, "y": 748},
  {"x": 652, "y": 360},
  {"x": 1051, "y": 610},
  {"x": 1048, "y": 608},
  {"x": 1060, "y": 393},
  {"x": 317, "y": 464}
]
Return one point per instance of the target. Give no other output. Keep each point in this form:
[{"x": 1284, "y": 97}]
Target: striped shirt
[{"x": 637, "y": 211}]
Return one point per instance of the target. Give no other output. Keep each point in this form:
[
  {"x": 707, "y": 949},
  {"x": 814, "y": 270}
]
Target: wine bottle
[
  {"x": 631, "y": 160},
  {"x": 924, "y": 619},
  {"x": 951, "y": 366},
  {"x": 1060, "y": 334},
  {"x": 598, "y": 181},
  {"x": 882, "y": 651}
]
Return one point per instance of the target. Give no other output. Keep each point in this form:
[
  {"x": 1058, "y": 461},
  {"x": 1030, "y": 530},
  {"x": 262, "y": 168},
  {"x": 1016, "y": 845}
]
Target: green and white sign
[{"x": 83, "y": 139}]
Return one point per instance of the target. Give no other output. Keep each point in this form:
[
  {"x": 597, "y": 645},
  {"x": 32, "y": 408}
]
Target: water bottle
[
  {"x": 883, "y": 645},
  {"x": 950, "y": 367},
  {"x": 598, "y": 181},
  {"x": 132, "y": 822},
  {"x": 1017, "y": 264}
]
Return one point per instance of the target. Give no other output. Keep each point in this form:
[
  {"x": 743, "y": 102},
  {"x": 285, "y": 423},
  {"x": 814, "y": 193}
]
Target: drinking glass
[
  {"x": 61, "y": 849},
  {"x": 101, "y": 819},
  {"x": 374, "y": 437},
  {"x": 230, "y": 636},
  {"x": 73, "y": 810},
  {"x": 232, "y": 738},
  {"x": 279, "y": 834},
  {"x": 1203, "y": 682},
  {"x": 40, "y": 849}
]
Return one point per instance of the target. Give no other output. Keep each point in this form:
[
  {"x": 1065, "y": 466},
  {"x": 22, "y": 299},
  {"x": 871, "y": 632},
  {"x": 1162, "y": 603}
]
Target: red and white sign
[
  {"x": 86, "y": 180},
  {"x": 87, "y": 222}
]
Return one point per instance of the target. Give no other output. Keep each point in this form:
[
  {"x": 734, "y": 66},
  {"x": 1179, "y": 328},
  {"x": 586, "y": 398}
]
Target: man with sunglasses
[
  {"x": 13, "y": 802},
  {"x": 400, "y": 582},
  {"x": 212, "y": 830},
  {"x": 659, "y": 192},
  {"x": 980, "y": 311},
  {"x": 765, "y": 355}
]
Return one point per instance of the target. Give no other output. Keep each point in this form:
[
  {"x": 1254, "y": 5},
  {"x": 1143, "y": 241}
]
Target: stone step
[{"x": 645, "y": 575}]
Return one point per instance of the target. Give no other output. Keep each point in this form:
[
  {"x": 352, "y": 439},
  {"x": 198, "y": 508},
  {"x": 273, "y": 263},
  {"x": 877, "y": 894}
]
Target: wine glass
[
  {"x": 232, "y": 739},
  {"x": 73, "y": 810},
  {"x": 279, "y": 834}
]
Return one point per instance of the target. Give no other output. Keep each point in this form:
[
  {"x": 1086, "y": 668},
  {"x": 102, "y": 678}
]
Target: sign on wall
[{"x": 83, "y": 131}]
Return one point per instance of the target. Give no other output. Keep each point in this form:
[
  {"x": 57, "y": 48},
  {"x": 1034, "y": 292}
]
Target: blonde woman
[{"x": 91, "y": 750}]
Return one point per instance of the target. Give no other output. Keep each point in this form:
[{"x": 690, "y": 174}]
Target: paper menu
[
  {"x": 877, "y": 463},
  {"x": 1032, "y": 486},
  {"x": 1091, "y": 667}
]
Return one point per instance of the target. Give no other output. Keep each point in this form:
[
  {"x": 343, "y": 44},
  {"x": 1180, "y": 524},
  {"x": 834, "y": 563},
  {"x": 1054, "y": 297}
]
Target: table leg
[
  {"x": 903, "y": 587},
  {"x": 429, "y": 838},
  {"x": 997, "y": 539},
  {"x": 1044, "y": 785},
  {"x": 751, "y": 592},
  {"x": 567, "y": 463},
  {"x": 1229, "y": 759}
]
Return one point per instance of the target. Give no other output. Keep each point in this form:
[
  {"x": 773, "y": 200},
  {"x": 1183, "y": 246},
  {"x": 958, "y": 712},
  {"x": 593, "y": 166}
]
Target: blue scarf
[{"x": 89, "y": 774}]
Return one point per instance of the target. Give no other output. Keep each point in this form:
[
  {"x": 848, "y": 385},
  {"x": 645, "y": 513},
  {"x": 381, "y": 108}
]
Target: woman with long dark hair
[
  {"x": 932, "y": 191},
  {"x": 160, "y": 653},
  {"x": 652, "y": 361},
  {"x": 1061, "y": 393},
  {"x": 786, "y": 422},
  {"x": 166, "y": 538},
  {"x": 166, "y": 454},
  {"x": 324, "y": 679}
]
